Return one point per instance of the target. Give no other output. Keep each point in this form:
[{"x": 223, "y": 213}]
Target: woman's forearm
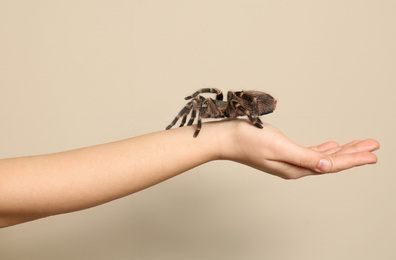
[{"x": 39, "y": 186}]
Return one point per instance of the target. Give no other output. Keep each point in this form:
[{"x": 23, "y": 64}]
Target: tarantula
[{"x": 248, "y": 103}]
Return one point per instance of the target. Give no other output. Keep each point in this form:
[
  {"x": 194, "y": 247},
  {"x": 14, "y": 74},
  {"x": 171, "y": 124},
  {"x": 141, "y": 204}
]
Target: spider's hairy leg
[
  {"x": 183, "y": 120},
  {"x": 201, "y": 113},
  {"x": 219, "y": 94},
  {"x": 183, "y": 113},
  {"x": 254, "y": 120},
  {"x": 192, "y": 118},
  {"x": 196, "y": 106},
  {"x": 193, "y": 103}
]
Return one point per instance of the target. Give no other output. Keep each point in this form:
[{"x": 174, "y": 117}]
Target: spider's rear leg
[
  {"x": 183, "y": 113},
  {"x": 255, "y": 120},
  {"x": 219, "y": 94}
]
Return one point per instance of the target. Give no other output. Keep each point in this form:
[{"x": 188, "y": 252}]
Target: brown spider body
[{"x": 249, "y": 103}]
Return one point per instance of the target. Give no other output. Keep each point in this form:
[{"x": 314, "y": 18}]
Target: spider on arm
[{"x": 250, "y": 103}]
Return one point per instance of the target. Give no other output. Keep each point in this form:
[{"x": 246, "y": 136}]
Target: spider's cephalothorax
[{"x": 250, "y": 103}]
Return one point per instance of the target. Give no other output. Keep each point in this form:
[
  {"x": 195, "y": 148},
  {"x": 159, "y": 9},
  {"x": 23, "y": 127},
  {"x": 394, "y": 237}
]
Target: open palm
[{"x": 271, "y": 151}]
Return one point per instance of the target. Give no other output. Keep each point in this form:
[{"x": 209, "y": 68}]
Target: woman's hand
[{"x": 270, "y": 151}]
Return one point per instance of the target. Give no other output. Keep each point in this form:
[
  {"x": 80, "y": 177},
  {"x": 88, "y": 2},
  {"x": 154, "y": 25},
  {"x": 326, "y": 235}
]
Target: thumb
[
  {"x": 324, "y": 165},
  {"x": 310, "y": 159}
]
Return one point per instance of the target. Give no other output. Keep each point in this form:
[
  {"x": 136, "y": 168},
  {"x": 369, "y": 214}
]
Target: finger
[
  {"x": 346, "y": 161},
  {"x": 325, "y": 146},
  {"x": 368, "y": 145},
  {"x": 351, "y": 143},
  {"x": 346, "y": 148},
  {"x": 354, "y": 146},
  {"x": 333, "y": 150},
  {"x": 339, "y": 163}
]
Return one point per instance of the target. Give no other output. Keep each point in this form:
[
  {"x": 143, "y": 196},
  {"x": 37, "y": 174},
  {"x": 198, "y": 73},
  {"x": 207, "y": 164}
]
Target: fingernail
[{"x": 324, "y": 166}]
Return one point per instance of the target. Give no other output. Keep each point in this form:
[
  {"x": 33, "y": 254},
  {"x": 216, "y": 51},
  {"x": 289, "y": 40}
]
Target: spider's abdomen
[
  {"x": 257, "y": 103},
  {"x": 265, "y": 102}
]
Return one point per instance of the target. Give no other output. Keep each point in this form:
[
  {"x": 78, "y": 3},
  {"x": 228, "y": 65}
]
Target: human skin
[{"x": 34, "y": 187}]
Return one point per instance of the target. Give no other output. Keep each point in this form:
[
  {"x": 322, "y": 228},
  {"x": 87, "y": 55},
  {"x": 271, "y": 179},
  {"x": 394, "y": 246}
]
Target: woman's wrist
[{"x": 223, "y": 137}]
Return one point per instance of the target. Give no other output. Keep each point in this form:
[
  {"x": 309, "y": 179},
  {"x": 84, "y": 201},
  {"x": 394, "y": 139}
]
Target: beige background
[{"x": 79, "y": 73}]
